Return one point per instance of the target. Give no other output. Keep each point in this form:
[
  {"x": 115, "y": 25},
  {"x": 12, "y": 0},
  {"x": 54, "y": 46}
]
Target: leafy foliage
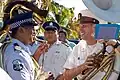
[
  {"x": 60, "y": 14},
  {"x": 64, "y": 16}
]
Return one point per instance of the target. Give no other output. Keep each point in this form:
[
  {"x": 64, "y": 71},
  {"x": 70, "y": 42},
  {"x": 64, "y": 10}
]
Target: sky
[{"x": 78, "y": 4}]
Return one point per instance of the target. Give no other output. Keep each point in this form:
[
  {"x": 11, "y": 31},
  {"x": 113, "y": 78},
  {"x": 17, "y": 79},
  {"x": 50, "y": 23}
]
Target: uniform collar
[
  {"x": 57, "y": 42},
  {"x": 67, "y": 41},
  {"x": 19, "y": 43}
]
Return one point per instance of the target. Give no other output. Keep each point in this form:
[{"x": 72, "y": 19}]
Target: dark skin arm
[{"x": 41, "y": 50}]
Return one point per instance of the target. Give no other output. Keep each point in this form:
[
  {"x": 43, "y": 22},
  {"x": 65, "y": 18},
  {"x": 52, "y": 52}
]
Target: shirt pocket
[
  {"x": 81, "y": 58},
  {"x": 80, "y": 61}
]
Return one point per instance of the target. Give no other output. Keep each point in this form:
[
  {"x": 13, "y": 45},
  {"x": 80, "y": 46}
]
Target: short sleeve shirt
[
  {"x": 80, "y": 53},
  {"x": 55, "y": 58},
  {"x": 18, "y": 64}
]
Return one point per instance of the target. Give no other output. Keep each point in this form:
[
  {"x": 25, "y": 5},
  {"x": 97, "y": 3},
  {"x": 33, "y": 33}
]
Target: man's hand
[
  {"x": 41, "y": 50},
  {"x": 89, "y": 63},
  {"x": 111, "y": 42}
]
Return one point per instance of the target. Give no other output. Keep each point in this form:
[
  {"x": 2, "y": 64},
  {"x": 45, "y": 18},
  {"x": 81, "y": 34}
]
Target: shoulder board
[
  {"x": 65, "y": 44},
  {"x": 17, "y": 47}
]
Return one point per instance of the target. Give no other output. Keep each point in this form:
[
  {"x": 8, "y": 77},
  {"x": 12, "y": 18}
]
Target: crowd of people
[{"x": 55, "y": 58}]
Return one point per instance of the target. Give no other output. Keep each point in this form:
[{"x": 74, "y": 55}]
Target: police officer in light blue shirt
[{"x": 17, "y": 61}]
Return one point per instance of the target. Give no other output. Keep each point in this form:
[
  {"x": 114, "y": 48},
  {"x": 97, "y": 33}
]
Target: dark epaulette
[
  {"x": 17, "y": 47},
  {"x": 15, "y": 44},
  {"x": 65, "y": 44}
]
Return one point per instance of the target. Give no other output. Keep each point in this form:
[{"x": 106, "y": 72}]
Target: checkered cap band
[{"x": 18, "y": 23}]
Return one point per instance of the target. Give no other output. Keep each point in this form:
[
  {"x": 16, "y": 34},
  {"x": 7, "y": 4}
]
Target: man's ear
[
  {"x": 93, "y": 27},
  {"x": 21, "y": 30},
  {"x": 56, "y": 32}
]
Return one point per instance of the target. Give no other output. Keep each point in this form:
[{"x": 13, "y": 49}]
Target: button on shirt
[
  {"x": 55, "y": 58},
  {"x": 17, "y": 63}
]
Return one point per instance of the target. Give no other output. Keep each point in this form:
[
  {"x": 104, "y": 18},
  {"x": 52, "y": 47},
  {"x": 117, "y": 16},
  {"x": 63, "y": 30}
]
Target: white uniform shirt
[
  {"x": 4, "y": 75},
  {"x": 18, "y": 64},
  {"x": 81, "y": 51},
  {"x": 55, "y": 58}
]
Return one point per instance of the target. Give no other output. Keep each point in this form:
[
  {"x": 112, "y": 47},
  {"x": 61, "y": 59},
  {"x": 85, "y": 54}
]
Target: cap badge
[{"x": 51, "y": 24}]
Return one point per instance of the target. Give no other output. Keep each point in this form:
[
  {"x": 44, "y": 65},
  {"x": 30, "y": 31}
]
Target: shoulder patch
[
  {"x": 17, "y": 65},
  {"x": 65, "y": 44}
]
